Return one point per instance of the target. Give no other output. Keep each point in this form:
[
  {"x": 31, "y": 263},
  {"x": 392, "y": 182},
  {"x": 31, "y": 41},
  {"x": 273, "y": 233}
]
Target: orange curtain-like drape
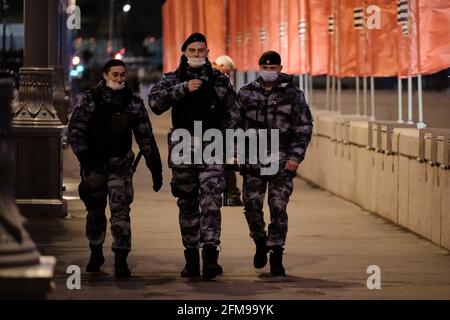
[
  {"x": 293, "y": 65},
  {"x": 434, "y": 35},
  {"x": 319, "y": 12},
  {"x": 383, "y": 40},
  {"x": 413, "y": 37},
  {"x": 168, "y": 39}
]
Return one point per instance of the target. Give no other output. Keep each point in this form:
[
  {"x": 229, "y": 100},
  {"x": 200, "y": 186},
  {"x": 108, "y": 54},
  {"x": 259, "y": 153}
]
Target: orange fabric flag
[
  {"x": 264, "y": 33},
  {"x": 274, "y": 24},
  {"x": 407, "y": 42},
  {"x": 333, "y": 45},
  {"x": 434, "y": 35},
  {"x": 382, "y": 35},
  {"x": 293, "y": 65},
  {"x": 256, "y": 44},
  {"x": 246, "y": 34},
  {"x": 169, "y": 50},
  {"x": 304, "y": 29},
  {"x": 190, "y": 16},
  {"x": 319, "y": 12},
  {"x": 283, "y": 31},
  {"x": 363, "y": 61},
  {"x": 215, "y": 27},
  {"x": 233, "y": 19},
  {"x": 240, "y": 37},
  {"x": 178, "y": 19},
  {"x": 347, "y": 39}
]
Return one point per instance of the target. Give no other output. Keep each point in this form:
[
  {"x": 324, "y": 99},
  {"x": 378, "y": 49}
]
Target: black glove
[
  {"x": 155, "y": 166},
  {"x": 157, "y": 180}
]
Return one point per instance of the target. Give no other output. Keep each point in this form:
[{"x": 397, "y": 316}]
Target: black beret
[
  {"x": 195, "y": 37},
  {"x": 270, "y": 57},
  {"x": 113, "y": 63}
]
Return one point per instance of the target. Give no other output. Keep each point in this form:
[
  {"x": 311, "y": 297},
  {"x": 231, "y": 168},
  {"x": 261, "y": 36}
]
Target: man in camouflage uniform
[
  {"x": 273, "y": 102},
  {"x": 226, "y": 65},
  {"x": 100, "y": 134},
  {"x": 197, "y": 92}
]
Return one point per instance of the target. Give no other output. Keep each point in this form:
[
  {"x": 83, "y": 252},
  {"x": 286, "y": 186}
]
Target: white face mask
[
  {"x": 269, "y": 76},
  {"x": 115, "y": 86},
  {"x": 196, "y": 62}
]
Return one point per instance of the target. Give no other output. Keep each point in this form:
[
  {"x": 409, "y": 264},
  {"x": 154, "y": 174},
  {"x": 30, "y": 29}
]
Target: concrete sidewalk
[{"x": 330, "y": 245}]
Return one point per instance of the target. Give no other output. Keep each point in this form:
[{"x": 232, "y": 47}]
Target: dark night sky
[{"x": 143, "y": 19}]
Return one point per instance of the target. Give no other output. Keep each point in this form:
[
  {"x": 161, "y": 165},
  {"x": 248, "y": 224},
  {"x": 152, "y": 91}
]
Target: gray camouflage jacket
[
  {"x": 142, "y": 129},
  {"x": 171, "y": 89},
  {"x": 283, "y": 108}
]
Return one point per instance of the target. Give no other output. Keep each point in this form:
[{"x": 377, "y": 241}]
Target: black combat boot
[
  {"x": 120, "y": 264},
  {"x": 96, "y": 260},
  {"x": 192, "y": 267},
  {"x": 276, "y": 262},
  {"x": 211, "y": 267},
  {"x": 260, "y": 258}
]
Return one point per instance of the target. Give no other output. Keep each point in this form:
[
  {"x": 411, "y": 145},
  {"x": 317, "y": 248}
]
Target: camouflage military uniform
[
  {"x": 106, "y": 174},
  {"x": 197, "y": 187},
  {"x": 283, "y": 108}
]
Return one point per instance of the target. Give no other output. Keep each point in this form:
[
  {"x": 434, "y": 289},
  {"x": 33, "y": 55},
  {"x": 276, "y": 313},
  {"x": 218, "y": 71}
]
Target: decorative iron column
[
  {"x": 37, "y": 127},
  {"x": 23, "y": 272}
]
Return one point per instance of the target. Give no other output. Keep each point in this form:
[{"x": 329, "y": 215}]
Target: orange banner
[
  {"x": 169, "y": 50},
  {"x": 412, "y": 36},
  {"x": 256, "y": 43},
  {"x": 294, "y": 61},
  {"x": 381, "y": 26},
  {"x": 274, "y": 24},
  {"x": 434, "y": 35},
  {"x": 215, "y": 27},
  {"x": 233, "y": 20},
  {"x": 407, "y": 38},
  {"x": 319, "y": 11},
  {"x": 332, "y": 39},
  {"x": 347, "y": 38},
  {"x": 283, "y": 31},
  {"x": 246, "y": 34}
]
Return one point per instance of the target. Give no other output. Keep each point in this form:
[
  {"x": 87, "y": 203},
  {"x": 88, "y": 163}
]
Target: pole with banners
[
  {"x": 372, "y": 98},
  {"x": 400, "y": 100},
  {"x": 330, "y": 76},
  {"x": 402, "y": 20},
  {"x": 308, "y": 25},
  {"x": 302, "y": 31},
  {"x": 410, "y": 101},
  {"x": 338, "y": 59},
  {"x": 306, "y": 86},
  {"x": 358, "y": 24},
  {"x": 365, "y": 95},
  {"x": 405, "y": 52},
  {"x": 327, "y": 103},
  {"x": 420, "y": 124}
]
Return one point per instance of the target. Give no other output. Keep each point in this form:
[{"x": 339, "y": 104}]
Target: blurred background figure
[{"x": 225, "y": 64}]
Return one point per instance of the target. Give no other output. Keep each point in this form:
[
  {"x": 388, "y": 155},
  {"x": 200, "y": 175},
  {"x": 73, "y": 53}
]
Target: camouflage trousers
[
  {"x": 117, "y": 186},
  {"x": 280, "y": 187},
  {"x": 199, "y": 192}
]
